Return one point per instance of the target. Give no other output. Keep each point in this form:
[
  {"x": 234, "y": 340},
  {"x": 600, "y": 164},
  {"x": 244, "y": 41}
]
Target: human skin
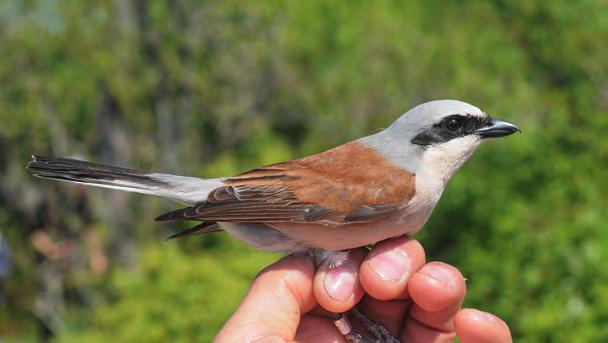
[{"x": 290, "y": 301}]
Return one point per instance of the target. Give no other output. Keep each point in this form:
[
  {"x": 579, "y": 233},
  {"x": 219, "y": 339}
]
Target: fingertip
[
  {"x": 295, "y": 273},
  {"x": 337, "y": 289},
  {"x": 386, "y": 269},
  {"x": 475, "y": 326},
  {"x": 437, "y": 286}
]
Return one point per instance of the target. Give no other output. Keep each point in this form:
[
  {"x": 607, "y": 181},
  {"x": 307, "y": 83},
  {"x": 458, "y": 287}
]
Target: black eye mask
[{"x": 450, "y": 127}]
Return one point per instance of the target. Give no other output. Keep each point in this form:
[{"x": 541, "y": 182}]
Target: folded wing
[{"x": 348, "y": 184}]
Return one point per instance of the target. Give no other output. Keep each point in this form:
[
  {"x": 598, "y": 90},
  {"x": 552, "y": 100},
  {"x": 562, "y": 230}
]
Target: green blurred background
[{"x": 216, "y": 87}]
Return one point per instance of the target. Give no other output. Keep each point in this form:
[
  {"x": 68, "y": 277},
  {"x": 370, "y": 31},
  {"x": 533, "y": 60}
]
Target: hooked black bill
[{"x": 497, "y": 128}]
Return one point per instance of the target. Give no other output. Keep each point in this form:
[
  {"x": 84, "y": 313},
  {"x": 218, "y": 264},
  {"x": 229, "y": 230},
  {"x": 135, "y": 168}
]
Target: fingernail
[
  {"x": 391, "y": 265},
  {"x": 339, "y": 282},
  {"x": 484, "y": 316},
  {"x": 440, "y": 274}
]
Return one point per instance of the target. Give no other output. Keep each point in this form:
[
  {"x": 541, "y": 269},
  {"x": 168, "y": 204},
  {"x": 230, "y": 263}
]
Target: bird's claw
[{"x": 380, "y": 333}]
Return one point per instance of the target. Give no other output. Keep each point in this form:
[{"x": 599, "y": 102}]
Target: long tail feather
[
  {"x": 203, "y": 228},
  {"x": 187, "y": 190}
]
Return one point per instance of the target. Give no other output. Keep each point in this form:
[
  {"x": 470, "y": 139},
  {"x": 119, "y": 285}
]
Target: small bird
[{"x": 356, "y": 194}]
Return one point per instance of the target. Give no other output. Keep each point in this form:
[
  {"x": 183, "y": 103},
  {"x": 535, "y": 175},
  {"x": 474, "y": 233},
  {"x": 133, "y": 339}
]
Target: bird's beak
[{"x": 497, "y": 128}]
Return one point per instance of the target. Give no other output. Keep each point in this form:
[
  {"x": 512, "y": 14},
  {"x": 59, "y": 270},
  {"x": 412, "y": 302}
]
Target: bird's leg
[
  {"x": 345, "y": 327},
  {"x": 378, "y": 330},
  {"x": 380, "y": 333}
]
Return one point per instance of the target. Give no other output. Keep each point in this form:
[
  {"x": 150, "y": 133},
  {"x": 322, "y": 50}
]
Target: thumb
[{"x": 272, "y": 308}]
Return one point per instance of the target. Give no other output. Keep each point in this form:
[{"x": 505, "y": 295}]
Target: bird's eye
[{"x": 453, "y": 123}]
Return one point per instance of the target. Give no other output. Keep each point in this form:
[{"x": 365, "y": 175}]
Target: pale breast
[{"x": 354, "y": 235}]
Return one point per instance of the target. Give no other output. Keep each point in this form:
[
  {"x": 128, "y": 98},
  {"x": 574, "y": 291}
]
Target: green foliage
[
  {"x": 213, "y": 88},
  {"x": 173, "y": 296}
]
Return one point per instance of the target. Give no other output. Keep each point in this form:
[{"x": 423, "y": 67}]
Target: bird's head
[{"x": 441, "y": 132}]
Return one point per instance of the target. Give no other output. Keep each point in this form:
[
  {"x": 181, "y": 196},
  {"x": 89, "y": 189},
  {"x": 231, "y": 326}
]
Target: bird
[{"x": 364, "y": 191}]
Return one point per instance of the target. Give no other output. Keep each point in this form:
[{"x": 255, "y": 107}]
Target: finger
[
  {"x": 314, "y": 329},
  {"x": 416, "y": 332},
  {"x": 272, "y": 308},
  {"x": 387, "y": 268},
  {"x": 337, "y": 289},
  {"x": 437, "y": 291},
  {"x": 384, "y": 275},
  {"x": 474, "y": 326}
]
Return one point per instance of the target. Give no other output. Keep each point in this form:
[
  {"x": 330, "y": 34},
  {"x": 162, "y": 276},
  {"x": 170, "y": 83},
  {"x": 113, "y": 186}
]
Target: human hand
[{"x": 417, "y": 302}]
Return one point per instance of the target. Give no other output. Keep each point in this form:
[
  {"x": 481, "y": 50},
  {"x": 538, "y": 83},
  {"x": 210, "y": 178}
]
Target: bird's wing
[{"x": 351, "y": 183}]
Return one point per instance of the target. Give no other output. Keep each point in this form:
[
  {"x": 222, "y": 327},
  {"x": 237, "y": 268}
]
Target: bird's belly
[{"x": 353, "y": 235}]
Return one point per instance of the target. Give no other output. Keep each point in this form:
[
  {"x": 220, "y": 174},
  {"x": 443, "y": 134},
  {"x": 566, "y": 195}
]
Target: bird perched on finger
[
  {"x": 324, "y": 204},
  {"x": 377, "y": 187}
]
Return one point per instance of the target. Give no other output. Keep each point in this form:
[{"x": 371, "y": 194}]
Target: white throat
[{"x": 439, "y": 163}]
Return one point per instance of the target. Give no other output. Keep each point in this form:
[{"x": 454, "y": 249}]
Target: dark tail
[
  {"x": 92, "y": 173},
  {"x": 187, "y": 190}
]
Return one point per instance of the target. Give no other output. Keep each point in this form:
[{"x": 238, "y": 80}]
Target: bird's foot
[{"x": 380, "y": 333}]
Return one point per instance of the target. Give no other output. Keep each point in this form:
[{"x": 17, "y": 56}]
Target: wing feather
[{"x": 339, "y": 186}]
